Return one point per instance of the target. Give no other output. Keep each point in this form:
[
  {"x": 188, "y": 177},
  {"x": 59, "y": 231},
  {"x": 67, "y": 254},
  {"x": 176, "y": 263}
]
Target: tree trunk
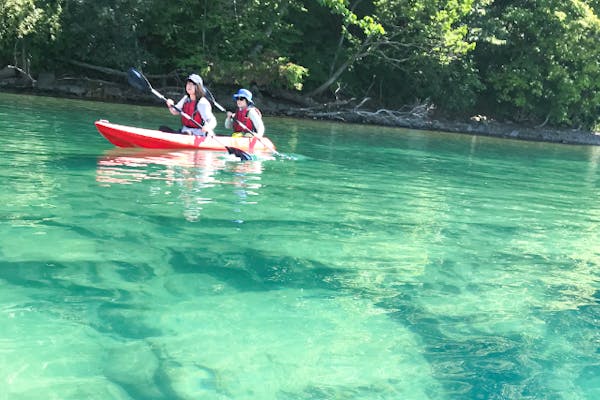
[
  {"x": 365, "y": 48},
  {"x": 342, "y": 68}
]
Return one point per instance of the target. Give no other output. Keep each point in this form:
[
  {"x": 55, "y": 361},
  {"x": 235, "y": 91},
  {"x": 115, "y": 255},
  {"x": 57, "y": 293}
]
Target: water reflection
[{"x": 187, "y": 175}]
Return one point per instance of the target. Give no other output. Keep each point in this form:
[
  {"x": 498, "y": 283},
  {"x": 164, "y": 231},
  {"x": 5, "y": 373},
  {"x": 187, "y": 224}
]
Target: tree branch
[{"x": 22, "y": 72}]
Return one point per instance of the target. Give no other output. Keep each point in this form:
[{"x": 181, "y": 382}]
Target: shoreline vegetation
[{"x": 288, "y": 104}]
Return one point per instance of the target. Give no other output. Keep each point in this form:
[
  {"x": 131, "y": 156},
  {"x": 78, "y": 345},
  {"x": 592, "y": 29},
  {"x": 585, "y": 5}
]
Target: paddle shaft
[
  {"x": 139, "y": 81},
  {"x": 240, "y": 123},
  {"x": 180, "y": 111},
  {"x": 231, "y": 150},
  {"x": 220, "y": 107},
  {"x": 184, "y": 115}
]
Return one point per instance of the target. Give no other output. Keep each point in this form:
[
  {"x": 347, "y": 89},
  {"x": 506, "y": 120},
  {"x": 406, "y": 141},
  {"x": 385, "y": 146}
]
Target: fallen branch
[
  {"x": 416, "y": 116},
  {"x": 22, "y": 72},
  {"x": 116, "y": 72},
  {"x": 359, "y": 105},
  {"x": 104, "y": 70},
  {"x": 544, "y": 123}
]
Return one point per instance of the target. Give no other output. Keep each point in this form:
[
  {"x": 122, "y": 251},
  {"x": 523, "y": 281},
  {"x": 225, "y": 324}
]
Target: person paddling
[
  {"x": 196, "y": 105},
  {"x": 247, "y": 117}
]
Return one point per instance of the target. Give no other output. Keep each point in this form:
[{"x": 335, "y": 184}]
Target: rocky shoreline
[
  {"x": 475, "y": 126},
  {"x": 93, "y": 89}
]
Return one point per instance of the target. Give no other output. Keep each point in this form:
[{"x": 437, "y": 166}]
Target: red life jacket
[
  {"x": 190, "y": 108},
  {"x": 242, "y": 116}
]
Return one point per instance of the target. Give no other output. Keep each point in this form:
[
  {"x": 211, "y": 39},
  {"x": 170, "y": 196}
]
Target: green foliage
[
  {"x": 428, "y": 54},
  {"x": 105, "y": 32},
  {"x": 291, "y": 74},
  {"x": 22, "y": 18},
  {"x": 230, "y": 43},
  {"x": 269, "y": 71},
  {"x": 539, "y": 61},
  {"x": 432, "y": 28},
  {"x": 524, "y": 60},
  {"x": 26, "y": 28},
  {"x": 368, "y": 24}
]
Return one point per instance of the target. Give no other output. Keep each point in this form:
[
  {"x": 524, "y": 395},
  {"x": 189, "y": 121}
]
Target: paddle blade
[
  {"x": 137, "y": 80},
  {"x": 240, "y": 153}
]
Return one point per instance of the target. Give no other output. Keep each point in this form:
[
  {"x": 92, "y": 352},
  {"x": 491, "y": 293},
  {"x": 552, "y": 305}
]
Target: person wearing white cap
[
  {"x": 247, "y": 120},
  {"x": 196, "y": 105}
]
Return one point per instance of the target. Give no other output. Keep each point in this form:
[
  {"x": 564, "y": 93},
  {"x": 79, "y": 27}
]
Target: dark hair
[
  {"x": 198, "y": 89},
  {"x": 200, "y": 92}
]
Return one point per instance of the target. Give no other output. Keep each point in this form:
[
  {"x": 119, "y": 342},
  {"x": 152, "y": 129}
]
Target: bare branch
[
  {"x": 22, "y": 72},
  {"x": 363, "y": 101},
  {"x": 544, "y": 123},
  {"x": 417, "y": 115}
]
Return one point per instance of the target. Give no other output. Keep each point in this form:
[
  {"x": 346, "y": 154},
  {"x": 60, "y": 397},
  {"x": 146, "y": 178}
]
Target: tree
[
  {"x": 103, "y": 32},
  {"x": 25, "y": 28},
  {"x": 539, "y": 61},
  {"x": 387, "y": 41},
  {"x": 427, "y": 53},
  {"x": 358, "y": 38},
  {"x": 239, "y": 42}
]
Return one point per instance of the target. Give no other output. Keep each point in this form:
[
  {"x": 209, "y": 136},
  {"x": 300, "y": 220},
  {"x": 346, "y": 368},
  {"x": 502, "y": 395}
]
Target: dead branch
[
  {"x": 116, "y": 72},
  {"x": 363, "y": 101},
  {"x": 416, "y": 115},
  {"x": 104, "y": 70},
  {"x": 22, "y": 72},
  {"x": 544, "y": 123}
]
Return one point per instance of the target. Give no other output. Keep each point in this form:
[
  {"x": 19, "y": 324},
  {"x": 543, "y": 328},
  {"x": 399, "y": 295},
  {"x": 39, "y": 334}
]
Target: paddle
[
  {"x": 240, "y": 123},
  {"x": 220, "y": 107},
  {"x": 139, "y": 81}
]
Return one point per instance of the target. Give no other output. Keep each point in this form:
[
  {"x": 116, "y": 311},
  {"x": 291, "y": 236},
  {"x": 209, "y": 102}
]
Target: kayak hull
[{"x": 129, "y": 136}]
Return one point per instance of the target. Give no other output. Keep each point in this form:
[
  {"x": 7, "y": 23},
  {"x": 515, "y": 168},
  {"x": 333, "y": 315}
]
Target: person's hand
[
  {"x": 229, "y": 114},
  {"x": 170, "y": 103}
]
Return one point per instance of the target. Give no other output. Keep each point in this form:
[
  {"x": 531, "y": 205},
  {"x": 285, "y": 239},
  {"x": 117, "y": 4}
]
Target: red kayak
[{"x": 129, "y": 136}]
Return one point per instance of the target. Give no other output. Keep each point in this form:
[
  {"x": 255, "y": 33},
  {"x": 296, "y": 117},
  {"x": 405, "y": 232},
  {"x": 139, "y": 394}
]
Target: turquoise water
[{"x": 370, "y": 263}]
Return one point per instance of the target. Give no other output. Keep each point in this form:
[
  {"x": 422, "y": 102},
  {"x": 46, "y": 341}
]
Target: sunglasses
[{"x": 240, "y": 98}]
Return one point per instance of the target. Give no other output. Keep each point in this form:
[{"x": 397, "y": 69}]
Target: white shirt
[
  {"x": 205, "y": 109},
  {"x": 256, "y": 119}
]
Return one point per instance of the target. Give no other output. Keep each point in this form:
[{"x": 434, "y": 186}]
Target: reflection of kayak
[
  {"x": 129, "y": 165},
  {"x": 129, "y": 136},
  {"x": 138, "y": 157}
]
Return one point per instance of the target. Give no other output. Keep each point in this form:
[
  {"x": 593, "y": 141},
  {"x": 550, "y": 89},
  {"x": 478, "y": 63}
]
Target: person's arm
[
  {"x": 229, "y": 120},
  {"x": 257, "y": 122},
  {"x": 205, "y": 110},
  {"x": 179, "y": 105}
]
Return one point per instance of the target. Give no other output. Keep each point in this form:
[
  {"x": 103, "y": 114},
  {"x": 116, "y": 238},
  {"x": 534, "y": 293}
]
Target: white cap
[{"x": 195, "y": 78}]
